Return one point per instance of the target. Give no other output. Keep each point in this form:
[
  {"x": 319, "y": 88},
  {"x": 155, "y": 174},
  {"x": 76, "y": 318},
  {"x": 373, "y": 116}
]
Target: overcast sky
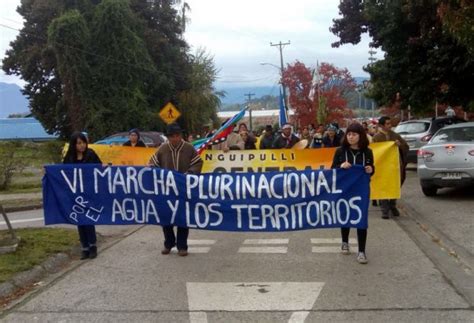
[{"x": 238, "y": 34}]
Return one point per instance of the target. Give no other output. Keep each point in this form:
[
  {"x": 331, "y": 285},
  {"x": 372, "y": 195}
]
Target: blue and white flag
[
  {"x": 283, "y": 112},
  {"x": 272, "y": 201}
]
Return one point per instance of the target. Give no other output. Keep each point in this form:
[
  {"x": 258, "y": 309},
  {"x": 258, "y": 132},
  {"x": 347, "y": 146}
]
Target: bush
[
  {"x": 53, "y": 150},
  {"x": 10, "y": 162}
]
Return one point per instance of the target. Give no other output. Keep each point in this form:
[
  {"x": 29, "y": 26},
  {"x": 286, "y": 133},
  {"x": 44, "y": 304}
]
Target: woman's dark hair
[
  {"x": 357, "y": 128},
  {"x": 71, "y": 154},
  {"x": 135, "y": 131}
]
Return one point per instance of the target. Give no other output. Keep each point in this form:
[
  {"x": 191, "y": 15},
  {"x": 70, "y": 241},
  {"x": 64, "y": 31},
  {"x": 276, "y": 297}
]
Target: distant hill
[
  {"x": 236, "y": 95},
  {"x": 12, "y": 101}
]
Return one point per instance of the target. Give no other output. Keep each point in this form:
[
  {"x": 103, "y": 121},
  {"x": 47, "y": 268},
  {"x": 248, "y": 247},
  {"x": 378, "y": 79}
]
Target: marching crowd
[{"x": 180, "y": 155}]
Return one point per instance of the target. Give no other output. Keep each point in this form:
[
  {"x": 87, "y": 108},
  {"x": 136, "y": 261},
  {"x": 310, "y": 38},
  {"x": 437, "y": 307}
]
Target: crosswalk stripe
[
  {"x": 197, "y": 317},
  {"x": 200, "y": 242},
  {"x": 199, "y": 249},
  {"x": 298, "y": 317},
  {"x": 266, "y": 241},
  {"x": 326, "y": 249},
  {"x": 331, "y": 240},
  {"x": 263, "y": 249}
]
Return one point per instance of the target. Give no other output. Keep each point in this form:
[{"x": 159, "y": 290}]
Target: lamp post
[{"x": 281, "y": 80}]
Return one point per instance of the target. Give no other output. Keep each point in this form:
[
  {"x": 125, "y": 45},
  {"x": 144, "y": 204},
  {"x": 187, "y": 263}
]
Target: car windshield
[
  {"x": 412, "y": 127},
  {"x": 454, "y": 135}
]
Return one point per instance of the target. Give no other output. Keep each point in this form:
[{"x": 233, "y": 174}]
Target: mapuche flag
[{"x": 221, "y": 134}]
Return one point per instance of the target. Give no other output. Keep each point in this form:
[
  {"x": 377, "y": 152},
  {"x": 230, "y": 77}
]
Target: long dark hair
[
  {"x": 71, "y": 155},
  {"x": 357, "y": 128}
]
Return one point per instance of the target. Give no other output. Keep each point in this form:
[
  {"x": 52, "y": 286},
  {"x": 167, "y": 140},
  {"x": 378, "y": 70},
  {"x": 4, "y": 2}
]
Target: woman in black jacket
[
  {"x": 79, "y": 153},
  {"x": 354, "y": 151}
]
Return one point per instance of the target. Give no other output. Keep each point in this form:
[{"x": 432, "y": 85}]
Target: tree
[
  {"x": 458, "y": 17},
  {"x": 422, "y": 62},
  {"x": 68, "y": 36},
  {"x": 199, "y": 104},
  {"x": 115, "y": 75},
  {"x": 323, "y": 100}
]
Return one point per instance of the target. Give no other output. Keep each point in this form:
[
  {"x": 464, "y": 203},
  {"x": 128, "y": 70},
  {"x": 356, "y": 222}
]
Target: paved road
[
  {"x": 450, "y": 212},
  {"x": 231, "y": 277}
]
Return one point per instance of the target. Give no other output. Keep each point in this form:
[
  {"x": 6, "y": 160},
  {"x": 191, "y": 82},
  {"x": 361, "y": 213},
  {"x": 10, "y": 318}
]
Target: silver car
[
  {"x": 448, "y": 159},
  {"x": 417, "y": 133}
]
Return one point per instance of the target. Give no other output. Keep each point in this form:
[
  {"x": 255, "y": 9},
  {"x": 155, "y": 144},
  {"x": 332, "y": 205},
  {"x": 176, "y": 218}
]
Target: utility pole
[
  {"x": 282, "y": 67},
  {"x": 372, "y": 59},
  {"x": 249, "y": 99}
]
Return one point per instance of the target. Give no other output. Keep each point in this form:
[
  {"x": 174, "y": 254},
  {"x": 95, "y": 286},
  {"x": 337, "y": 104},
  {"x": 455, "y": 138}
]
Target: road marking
[
  {"x": 199, "y": 249},
  {"x": 256, "y": 296},
  {"x": 198, "y": 317},
  {"x": 200, "y": 242},
  {"x": 326, "y": 249},
  {"x": 266, "y": 241},
  {"x": 263, "y": 249},
  {"x": 22, "y": 221},
  {"x": 331, "y": 241},
  {"x": 298, "y": 317}
]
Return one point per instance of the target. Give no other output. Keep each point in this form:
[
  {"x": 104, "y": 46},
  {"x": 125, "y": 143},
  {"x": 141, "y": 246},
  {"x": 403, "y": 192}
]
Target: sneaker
[
  {"x": 345, "y": 248},
  {"x": 165, "y": 251},
  {"x": 362, "y": 258},
  {"x": 395, "y": 212},
  {"x": 84, "y": 254},
  {"x": 385, "y": 216},
  {"x": 182, "y": 253}
]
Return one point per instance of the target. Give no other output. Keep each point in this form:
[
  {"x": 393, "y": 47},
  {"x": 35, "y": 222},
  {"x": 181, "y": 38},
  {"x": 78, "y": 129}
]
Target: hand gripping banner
[{"x": 270, "y": 201}]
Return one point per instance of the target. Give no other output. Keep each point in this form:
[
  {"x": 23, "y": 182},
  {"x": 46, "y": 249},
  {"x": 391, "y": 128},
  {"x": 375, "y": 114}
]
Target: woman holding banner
[
  {"x": 79, "y": 153},
  {"x": 354, "y": 151}
]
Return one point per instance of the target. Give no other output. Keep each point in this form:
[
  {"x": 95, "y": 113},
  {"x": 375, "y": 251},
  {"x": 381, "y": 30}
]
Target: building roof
[{"x": 23, "y": 129}]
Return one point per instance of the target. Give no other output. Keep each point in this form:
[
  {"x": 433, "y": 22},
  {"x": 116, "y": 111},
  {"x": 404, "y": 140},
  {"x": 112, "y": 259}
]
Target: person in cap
[
  {"x": 331, "y": 139},
  {"x": 180, "y": 156},
  {"x": 286, "y": 139},
  {"x": 134, "y": 139},
  {"x": 268, "y": 138}
]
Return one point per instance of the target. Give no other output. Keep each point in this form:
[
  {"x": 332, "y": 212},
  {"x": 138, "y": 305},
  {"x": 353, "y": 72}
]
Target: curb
[
  {"x": 13, "y": 209},
  {"x": 52, "y": 269},
  {"x": 24, "y": 279}
]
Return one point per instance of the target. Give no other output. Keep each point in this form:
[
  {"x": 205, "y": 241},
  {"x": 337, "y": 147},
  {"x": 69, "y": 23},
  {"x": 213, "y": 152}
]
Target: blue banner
[{"x": 272, "y": 201}]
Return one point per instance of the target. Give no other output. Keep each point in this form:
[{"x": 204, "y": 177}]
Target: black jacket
[
  {"x": 90, "y": 157},
  {"x": 354, "y": 157},
  {"x": 140, "y": 143},
  {"x": 281, "y": 142},
  {"x": 266, "y": 142}
]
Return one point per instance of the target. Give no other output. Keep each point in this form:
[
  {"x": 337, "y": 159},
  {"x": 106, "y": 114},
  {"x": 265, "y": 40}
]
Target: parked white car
[{"x": 448, "y": 159}]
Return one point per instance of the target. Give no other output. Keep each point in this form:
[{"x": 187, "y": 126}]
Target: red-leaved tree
[{"x": 318, "y": 96}]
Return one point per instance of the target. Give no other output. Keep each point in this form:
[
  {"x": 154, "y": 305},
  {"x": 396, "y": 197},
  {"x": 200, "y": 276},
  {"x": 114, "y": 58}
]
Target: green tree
[
  {"x": 199, "y": 104},
  {"x": 422, "y": 62},
  {"x": 69, "y": 37}
]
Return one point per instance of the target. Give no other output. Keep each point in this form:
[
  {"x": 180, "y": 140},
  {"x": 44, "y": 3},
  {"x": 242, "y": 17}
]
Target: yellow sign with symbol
[{"x": 169, "y": 113}]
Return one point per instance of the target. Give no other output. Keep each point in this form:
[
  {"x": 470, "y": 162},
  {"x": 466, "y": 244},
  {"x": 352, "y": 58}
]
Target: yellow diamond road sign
[{"x": 169, "y": 113}]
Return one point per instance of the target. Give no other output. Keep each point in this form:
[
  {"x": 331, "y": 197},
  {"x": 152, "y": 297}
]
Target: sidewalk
[
  {"x": 248, "y": 277},
  {"x": 21, "y": 201}
]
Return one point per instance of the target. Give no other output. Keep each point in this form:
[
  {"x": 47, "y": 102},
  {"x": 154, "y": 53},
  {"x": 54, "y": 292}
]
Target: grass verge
[{"x": 36, "y": 245}]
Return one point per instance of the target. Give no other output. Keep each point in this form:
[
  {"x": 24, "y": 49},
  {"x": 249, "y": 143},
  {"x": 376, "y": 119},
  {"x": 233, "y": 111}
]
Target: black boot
[
  {"x": 92, "y": 252},
  {"x": 85, "y": 254}
]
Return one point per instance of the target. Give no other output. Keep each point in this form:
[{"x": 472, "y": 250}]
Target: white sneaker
[
  {"x": 345, "y": 250},
  {"x": 362, "y": 258}
]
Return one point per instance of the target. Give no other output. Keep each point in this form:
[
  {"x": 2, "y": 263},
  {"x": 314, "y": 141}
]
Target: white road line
[
  {"x": 298, "y": 317},
  {"x": 331, "y": 240},
  {"x": 197, "y": 317},
  {"x": 263, "y": 249},
  {"x": 22, "y": 221},
  {"x": 253, "y": 296},
  {"x": 200, "y": 242},
  {"x": 199, "y": 249},
  {"x": 328, "y": 249},
  {"x": 266, "y": 241}
]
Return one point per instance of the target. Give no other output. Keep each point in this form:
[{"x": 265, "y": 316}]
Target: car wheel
[{"x": 429, "y": 190}]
